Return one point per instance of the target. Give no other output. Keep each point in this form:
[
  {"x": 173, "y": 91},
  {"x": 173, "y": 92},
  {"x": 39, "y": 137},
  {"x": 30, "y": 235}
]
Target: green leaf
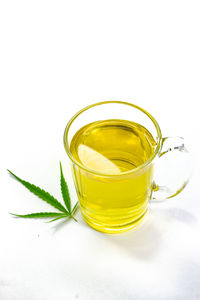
[
  {"x": 57, "y": 219},
  {"x": 65, "y": 190},
  {"x": 65, "y": 212},
  {"x": 40, "y": 193},
  {"x": 75, "y": 208},
  {"x": 41, "y": 215}
]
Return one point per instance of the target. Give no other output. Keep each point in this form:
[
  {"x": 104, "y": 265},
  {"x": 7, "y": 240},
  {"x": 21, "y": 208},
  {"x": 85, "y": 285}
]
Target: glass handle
[{"x": 172, "y": 169}]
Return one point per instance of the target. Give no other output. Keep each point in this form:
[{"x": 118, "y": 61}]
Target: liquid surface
[
  {"x": 112, "y": 146},
  {"x": 113, "y": 203}
]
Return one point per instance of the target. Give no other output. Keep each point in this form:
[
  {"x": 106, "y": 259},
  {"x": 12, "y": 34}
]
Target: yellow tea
[{"x": 112, "y": 199}]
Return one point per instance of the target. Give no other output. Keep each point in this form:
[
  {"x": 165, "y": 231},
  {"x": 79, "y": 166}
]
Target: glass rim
[{"x": 146, "y": 163}]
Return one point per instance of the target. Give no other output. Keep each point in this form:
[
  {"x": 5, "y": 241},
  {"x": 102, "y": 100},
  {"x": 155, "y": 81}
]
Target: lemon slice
[{"x": 96, "y": 161}]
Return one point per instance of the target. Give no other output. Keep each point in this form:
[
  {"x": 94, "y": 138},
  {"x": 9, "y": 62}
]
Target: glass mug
[{"x": 116, "y": 199}]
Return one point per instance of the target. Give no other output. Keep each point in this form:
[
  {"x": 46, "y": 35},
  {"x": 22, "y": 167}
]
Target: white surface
[{"x": 57, "y": 57}]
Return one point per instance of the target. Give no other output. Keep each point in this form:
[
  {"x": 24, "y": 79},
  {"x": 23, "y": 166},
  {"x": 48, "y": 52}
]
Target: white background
[{"x": 57, "y": 57}]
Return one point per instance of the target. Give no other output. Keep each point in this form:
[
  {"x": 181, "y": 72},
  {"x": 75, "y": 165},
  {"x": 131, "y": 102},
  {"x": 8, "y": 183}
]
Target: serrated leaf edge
[
  {"x": 42, "y": 194},
  {"x": 65, "y": 190}
]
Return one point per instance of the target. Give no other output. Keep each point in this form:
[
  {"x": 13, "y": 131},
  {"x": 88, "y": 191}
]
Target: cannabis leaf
[
  {"x": 42, "y": 194},
  {"x": 64, "y": 190}
]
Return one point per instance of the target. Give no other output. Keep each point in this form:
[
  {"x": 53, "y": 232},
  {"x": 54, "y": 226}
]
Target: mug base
[{"x": 114, "y": 229}]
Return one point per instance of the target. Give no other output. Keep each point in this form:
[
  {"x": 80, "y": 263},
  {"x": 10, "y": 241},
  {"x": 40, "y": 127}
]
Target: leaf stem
[{"x": 73, "y": 218}]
